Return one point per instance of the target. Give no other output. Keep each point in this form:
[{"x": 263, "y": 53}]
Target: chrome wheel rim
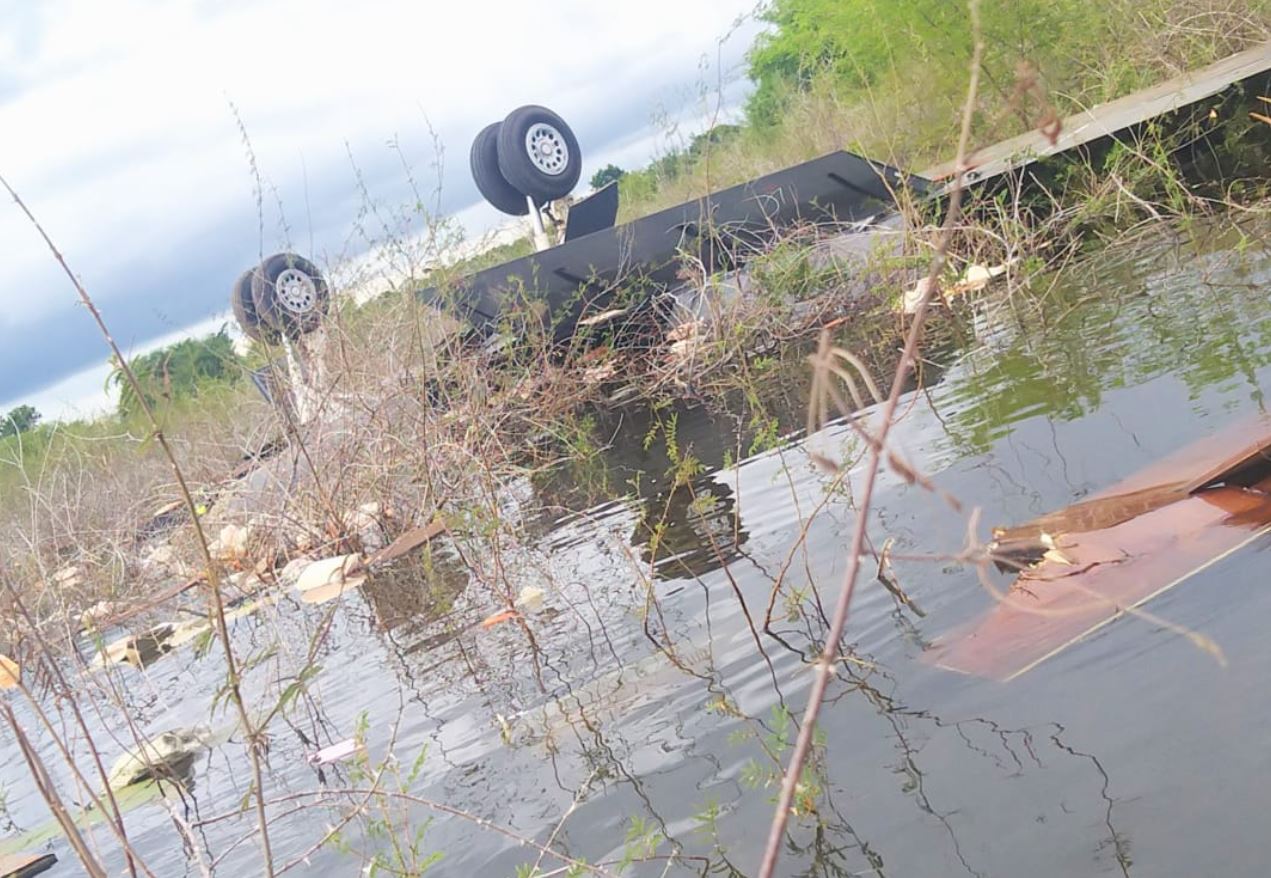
[
  {"x": 296, "y": 291},
  {"x": 547, "y": 149}
]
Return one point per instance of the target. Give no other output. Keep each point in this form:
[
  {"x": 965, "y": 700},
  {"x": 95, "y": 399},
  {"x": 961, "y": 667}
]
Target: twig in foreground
[
  {"x": 213, "y": 574},
  {"x": 825, "y": 665}
]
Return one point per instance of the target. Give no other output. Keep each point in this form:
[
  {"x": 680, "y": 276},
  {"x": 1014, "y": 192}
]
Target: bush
[
  {"x": 19, "y": 420},
  {"x": 606, "y": 175},
  {"x": 180, "y": 371}
]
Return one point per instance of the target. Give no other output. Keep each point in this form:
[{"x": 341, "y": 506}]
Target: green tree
[
  {"x": 606, "y": 175},
  {"x": 179, "y": 371},
  {"x": 711, "y": 138},
  {"x": 853, "y": 44},
  {"x": 19, "y": 420}
]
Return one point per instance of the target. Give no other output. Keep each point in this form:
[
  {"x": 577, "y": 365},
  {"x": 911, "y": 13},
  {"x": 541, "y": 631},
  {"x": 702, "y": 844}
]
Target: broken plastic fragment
[{"x": 335, "y": 753}]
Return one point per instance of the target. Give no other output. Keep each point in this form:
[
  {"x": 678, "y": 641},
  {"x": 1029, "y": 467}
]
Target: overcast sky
[{"x": 116, "y": 128}]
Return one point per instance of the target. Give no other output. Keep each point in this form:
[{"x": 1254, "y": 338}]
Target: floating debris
[
  {"x": 909, "y": 302},
  {"x": 603, "y": 317},
  {"x": 366, "y": 524},
  {"x": 68, "y": 577},
  {"x": 329, "y": 578},
  {"x": 499, "y": 618},
  {"x": 100, "y": 612},
  {"x": 137, "y": 650},
  {"x": 230, "y": 544},
  {"x": 973, "y": 279},
  {"x": 408, "y": 542},
  {"x": 160, "y": 560},
  {"x": 684, "y": 340},
  {"x": 335, "y": 753},
  {"x": 530, "y": 600},
  {"x": 600, "y": 373},
  {"x": 169, "y": 754},
  {"x": 142, "y": 650}
]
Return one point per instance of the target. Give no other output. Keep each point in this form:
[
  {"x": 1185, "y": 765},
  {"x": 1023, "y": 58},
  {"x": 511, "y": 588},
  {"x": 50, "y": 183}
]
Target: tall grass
[{"x": 894, "y": 92}]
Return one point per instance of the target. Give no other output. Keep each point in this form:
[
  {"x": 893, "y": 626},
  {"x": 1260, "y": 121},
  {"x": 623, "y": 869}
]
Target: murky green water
[{"x": 644, "y": 717}]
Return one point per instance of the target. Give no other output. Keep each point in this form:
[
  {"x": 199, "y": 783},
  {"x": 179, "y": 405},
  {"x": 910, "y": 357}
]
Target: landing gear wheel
[
  {"x": 538, "y": 154},
  {"x": 244, "y": 308},
  {"x": 494, "y": 187},
  {"x": 290, "y": 294}
]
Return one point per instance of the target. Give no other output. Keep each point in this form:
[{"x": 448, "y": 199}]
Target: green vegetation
[
  {"x": 887, "y": 79},
  {"x": 859, "y": 45},
  {"x": 606, "y": 175},
  {"x": 19, "y": 420},
  {"x": 180, "y": 371},
  {"x": 195, "y": 387}
]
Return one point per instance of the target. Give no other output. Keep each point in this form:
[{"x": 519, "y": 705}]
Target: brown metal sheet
[
  {"x": 1209, "y": 461},
  {"x": 1097, "y": 559},
  {"x": 1057, "y": 605}
]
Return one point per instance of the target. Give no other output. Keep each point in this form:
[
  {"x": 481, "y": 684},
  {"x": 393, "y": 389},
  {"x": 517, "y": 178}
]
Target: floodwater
[{"x": 637, "y": 716}]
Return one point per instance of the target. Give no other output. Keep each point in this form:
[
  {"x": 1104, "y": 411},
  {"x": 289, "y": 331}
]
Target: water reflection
[
  {"x": 689, "y": 530},
  {"x": 418, "y": 591}
]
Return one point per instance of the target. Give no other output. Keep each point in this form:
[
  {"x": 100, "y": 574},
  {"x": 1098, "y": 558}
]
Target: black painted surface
[{"x": 583, "y": 275}]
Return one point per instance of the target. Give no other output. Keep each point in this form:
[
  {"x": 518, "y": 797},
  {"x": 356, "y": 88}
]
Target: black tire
[
  {"x": 553, "y": 173},
  {"x": 494, "y": 188},
  {"x": 244, "y": 308},
  {"x": 299, "y": 303}
]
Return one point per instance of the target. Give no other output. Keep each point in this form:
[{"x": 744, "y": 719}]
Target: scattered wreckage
[
  {"x": 600, "y": 275},
  {"x": 591, "y": 279}
]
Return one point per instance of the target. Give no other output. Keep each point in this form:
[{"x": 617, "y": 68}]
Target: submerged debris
[
  {"x": 1085, "y": 565},
  {"x": 169, "y": 754}
]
